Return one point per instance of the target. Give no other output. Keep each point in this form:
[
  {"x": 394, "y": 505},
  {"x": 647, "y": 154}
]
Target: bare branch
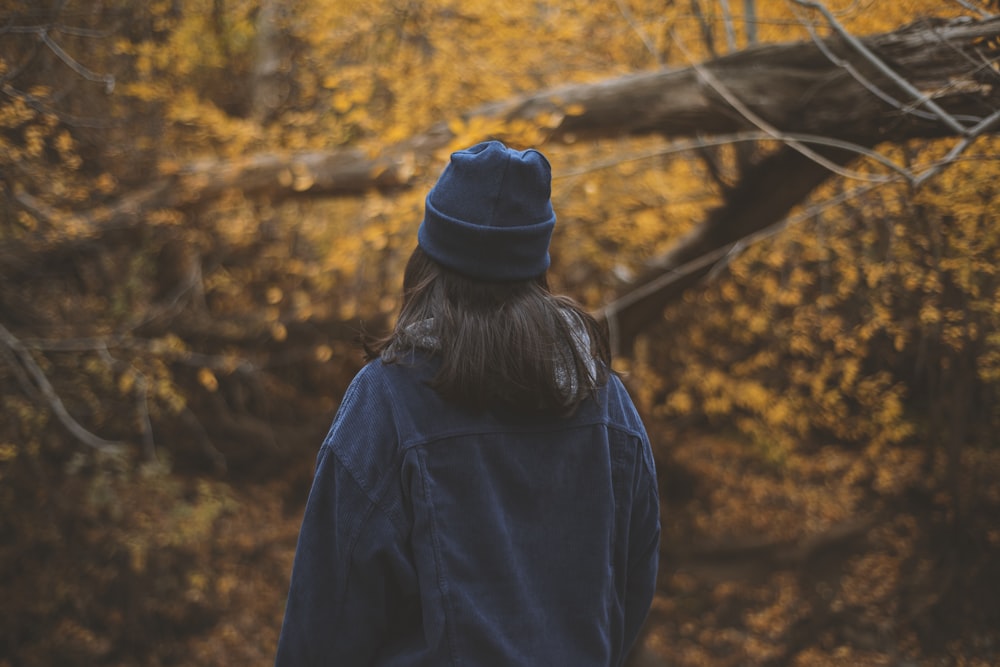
[
  {"x": 880, "y": 64},
  {"x": 743, "y": 137},
  {"x": 706, "y": 28},
  {"x": 107, "y": 79},
  {"x": 974, "y": 133},
  {"x": 750, "y": 21},
  {"x": 972, "y": 8},
  {"x": 712, "y": 262},
  {"x": 83, "y": 32},
  {"x": 859, "y": 77},
  {"x": 73, "y": 426},
  {"x": 19, "y": 374},
  {"x": 712, "y": 81},
  {"x": 727, "y": 22},
  {"x": 793, "y": 88},
  {"x": 637, "y": 29}
]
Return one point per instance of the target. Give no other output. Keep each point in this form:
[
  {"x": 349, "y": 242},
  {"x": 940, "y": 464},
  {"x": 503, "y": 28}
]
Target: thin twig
[
  {"x": 727, "y": 22},
  {"x": 739, "y": 137},
  {"x": 974, "y": 133},
  {"x": 865, "y": 52},
  {"x": 750, "y": 21},
  {"x": 972, "y": 8},
  {"x": 859, "y": 77},
  {"x": 769, "y": 134},
  {"x": 725, "y": 254},
  {"x": 637, "y": 29},
  {"x": 706, "y": 29},
  {"x": 77, "y": 31},
  {"x": 22, "y": 377},
  {"x": 911, "y": 108},
  {"x": 984, "y": 64},
  {"x": 107, "y": 79},
  {"x": 737, "y": 248},
  {"x": 745, "y": 111},
  {"x": 981, "y": 126},
  {"x": 73, "y": 426}
]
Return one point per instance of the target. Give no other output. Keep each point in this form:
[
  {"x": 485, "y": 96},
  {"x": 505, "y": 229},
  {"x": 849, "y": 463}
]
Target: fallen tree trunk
[
  {"x": 794, "y": 87},
  {"x": 832, "y": 89}
]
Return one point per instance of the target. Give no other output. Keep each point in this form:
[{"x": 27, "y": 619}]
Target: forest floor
[
  {"x": 763, "y": 563},
  {"x": 800, "y": 562}
]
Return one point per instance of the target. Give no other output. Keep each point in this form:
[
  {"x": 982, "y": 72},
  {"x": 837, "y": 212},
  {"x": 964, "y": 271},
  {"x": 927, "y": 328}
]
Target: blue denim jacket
[{"x": 434, "y": 536}]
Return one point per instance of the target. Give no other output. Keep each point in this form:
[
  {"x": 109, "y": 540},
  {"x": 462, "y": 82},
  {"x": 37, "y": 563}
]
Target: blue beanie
[{"x": 489, "y": 216}]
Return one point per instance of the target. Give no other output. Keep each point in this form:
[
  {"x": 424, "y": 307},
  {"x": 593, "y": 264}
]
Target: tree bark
[{"x": 765, "y": 195}]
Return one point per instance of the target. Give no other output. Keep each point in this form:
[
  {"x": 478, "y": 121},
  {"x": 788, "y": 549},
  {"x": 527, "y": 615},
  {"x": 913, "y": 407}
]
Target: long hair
[{"x": 500, "y": 344}]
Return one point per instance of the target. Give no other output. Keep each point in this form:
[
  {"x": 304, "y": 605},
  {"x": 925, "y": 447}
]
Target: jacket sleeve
[
  {"x": 644, "y": 534},
  {"x": 341, "y": 594}
]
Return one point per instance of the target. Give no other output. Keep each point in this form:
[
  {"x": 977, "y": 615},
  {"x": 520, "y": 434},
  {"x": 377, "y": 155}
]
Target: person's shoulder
[
  {"x": 381, "y": 384},
  {"x": 625, "y": 415},
  {"x": 378, "y": 375},
  {"x": 369, "y": 381},
  {"x": 365, "y": 428},
  {"x": 616, "y": 390},
  {"x": 619, "y": 407}
]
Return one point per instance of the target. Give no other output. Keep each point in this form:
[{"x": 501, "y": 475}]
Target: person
[{"x": 486, "y": 494}]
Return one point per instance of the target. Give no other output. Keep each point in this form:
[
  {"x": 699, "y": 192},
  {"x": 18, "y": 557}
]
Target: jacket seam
[
  {"x": 648, "y": 488},
  {"x": 374, "y": 495},
  {"x": 374, "y": 499},
  {"x": 406, "y": 445},
  {"x": 439, "y": 565}
]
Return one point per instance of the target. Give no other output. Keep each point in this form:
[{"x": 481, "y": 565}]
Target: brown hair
[{"x": 502, "y": 344}]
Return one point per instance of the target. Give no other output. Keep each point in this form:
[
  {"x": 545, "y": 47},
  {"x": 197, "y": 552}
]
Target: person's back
[{"x": 486, "y": 494}]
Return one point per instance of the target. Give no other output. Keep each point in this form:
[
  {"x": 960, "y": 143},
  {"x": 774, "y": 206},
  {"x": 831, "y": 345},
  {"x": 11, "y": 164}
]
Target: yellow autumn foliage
[
  {"x": 852, "y": 326},
  {"x": 851, "y": 354}
]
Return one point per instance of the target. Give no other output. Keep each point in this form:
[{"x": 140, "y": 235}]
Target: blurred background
[{"x": 783, "y": 211}]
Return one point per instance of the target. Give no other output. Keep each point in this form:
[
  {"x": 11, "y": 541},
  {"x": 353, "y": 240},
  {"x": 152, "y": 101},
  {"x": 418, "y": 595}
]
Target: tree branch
[
  {"x": 107, "y": 79},
  {"x": 881, "y": 65},
  {"x": 791, "y": 88},
  {"x": 819, "y": 98},
  {"x": 742, "y": 219},
  {"x": 58, "y": 408}
]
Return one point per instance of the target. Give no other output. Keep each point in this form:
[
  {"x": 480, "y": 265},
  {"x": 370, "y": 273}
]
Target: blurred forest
[{"x": 780, "y": 208}]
